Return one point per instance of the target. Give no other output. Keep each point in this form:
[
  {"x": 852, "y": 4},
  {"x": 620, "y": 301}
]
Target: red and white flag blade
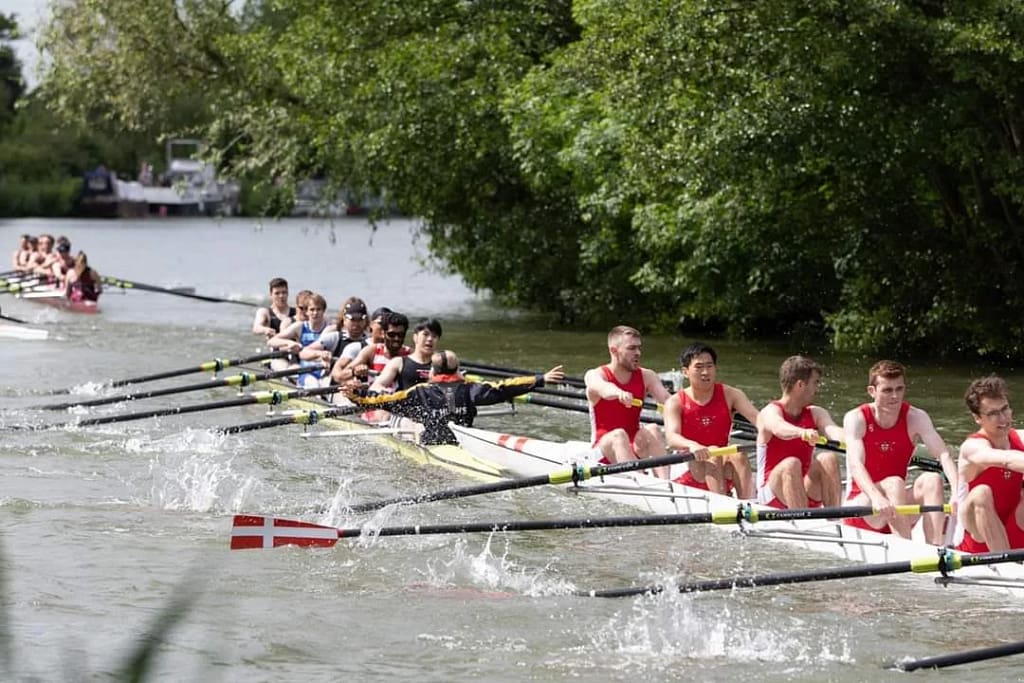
[{"x": 257, "y": 531}]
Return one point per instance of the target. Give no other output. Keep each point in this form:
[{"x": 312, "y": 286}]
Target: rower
[
  {"x": 789, "y": 473},
  {"x": 615, "y": 392},
  {"x": 374, "y": 357},
  {"x": 880, "y": 440},
  {"x": 413, "y": 368},
  {"x": 991, "y": 466},
  {"x": 700, "y": 416},
  {"x": 448, "y": 397},
  {"x": 303, "y": 333},
  {"x": 43, "y": 258},
  {"x": 270, "y": 319},
  {"x": 62, "y": 263},
  {"x": 82, "y": 282},
  {"x": 21, "y": 256},
  {"x": 350, "y": 326}
]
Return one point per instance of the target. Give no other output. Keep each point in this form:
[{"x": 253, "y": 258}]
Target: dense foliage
[{"x": 758, "y": 166}]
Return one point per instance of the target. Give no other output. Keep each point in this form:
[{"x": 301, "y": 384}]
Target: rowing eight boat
[{"x": 525, "y": 457}]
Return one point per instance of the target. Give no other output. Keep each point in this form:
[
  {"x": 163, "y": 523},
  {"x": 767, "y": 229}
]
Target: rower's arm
[
  {"x": 600, "y": 389},
  {"x": 826, "y": 425},
  {"x": 345, "y": 368},
  {"x": 489, "y": 393},
  {"x": 287, "y": 339},
  {"x": 739, "y": 403},
  {"x": 388, "y": 375},
  {"x": 673, "y": 415},
  {"x": 920, "y": 423},
  {"x": 655, "y": 389},
  {"x": 979, "y": 454},
  {"x": 261, "y": 322},
  {"x": 770, "y": 420}
]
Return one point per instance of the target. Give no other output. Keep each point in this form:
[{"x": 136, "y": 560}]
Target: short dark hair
[
  {"x": 278, "y": 282},
  {"x": 432, "y": 324},
  {"x": 444, "y": 362},
  {"x": 992, "y": 386},
  {"x": 394, "y": 319},
  {"x": 694, "y": 350},
  {"x": 795, "y": 369}
]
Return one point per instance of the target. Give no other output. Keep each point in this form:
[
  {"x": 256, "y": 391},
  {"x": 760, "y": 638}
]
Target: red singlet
[
  {"x": 709, "y": 424},
  {"x": 607, "y": 414},
  {"x": 887, "y": 454},
  {"x": 777, "y": 450},
  {"x": 1006, "y": 493}
]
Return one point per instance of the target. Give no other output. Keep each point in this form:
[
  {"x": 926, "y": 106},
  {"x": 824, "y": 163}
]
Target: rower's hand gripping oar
[
  {"x": 257, "y": 531},
  {"x": 573, "y": 474},
  {"x": 214, "y": 366},
  {"x": 129, "y": 284}
]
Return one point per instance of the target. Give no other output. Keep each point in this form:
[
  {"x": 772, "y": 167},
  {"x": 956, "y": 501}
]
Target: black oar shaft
[
  {"x": 956, "y": 658},
  {"x": 265, "y": 397},
  {"x": 129, "y": 284},
  {"x": 534, "y": 399},
  {"x": 308, "y": 417},
  {"x": 215, "y": 365},
  {"x": 560, "y": 477},
  {"x": 240, "y": 380}
]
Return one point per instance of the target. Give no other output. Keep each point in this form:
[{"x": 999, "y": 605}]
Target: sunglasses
[
  {"x": 395, "y": 335},
  {"x": 355, "y": 316}
]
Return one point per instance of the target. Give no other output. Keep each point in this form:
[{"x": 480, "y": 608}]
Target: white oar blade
[{"x": 250, "y": 532}]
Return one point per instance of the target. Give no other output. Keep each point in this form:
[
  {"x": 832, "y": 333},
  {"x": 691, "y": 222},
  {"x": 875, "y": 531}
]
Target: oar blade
[{"x": 257, "y": 532}]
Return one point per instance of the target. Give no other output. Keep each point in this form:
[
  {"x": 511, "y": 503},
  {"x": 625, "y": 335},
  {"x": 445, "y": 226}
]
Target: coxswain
[
  {"x": 82, "y": 282},
  {"x": 615, "y": 393},
  {"x": 270, "y": 319},
  {"x": 789, "y": 473},
  {"x": 699, "y": 417},
  {"x": 880, "y": 440},
  {"x": 448, "y": 397},
  {"x": 991, "y": 468}
]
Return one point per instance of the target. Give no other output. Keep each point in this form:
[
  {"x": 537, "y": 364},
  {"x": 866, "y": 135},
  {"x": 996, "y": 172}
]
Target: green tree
[{"x": 12, "y": 84}]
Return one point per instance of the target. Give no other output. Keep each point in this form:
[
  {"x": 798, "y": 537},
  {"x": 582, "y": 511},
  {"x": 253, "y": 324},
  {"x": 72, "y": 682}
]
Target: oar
[
  {"x": 240, "y": 380},
  {"x": 576, "y": 473},
  {"x": 956, "y": 658},
  {"x": 534, "y": 399},
  {"x": 259, "y": 397},
  {"x": 129, "y": 284},
  {"x": 303, "y": 417},
  {"x": 497, "y": 370},
  {"x": 944, "y": 560},
  {"x": 12, "y": 319},
  {"x": 214, "y": 366},
  {"x": 26, "y": 286},
  {"x": 257, "y": 531}
]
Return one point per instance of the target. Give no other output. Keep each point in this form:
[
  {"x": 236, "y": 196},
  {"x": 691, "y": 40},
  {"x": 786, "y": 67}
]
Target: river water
[{"x": 103, "y": 527}]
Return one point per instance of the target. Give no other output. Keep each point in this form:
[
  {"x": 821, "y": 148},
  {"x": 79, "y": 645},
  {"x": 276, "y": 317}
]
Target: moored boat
[{"x": 526, "y": 457}]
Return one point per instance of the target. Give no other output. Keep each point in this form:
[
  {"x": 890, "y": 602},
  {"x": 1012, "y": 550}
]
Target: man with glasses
[
  {"x": 880, "y": 440},
  {"x": 373, "y": 358},
  {"x": 991, "y": 472}
]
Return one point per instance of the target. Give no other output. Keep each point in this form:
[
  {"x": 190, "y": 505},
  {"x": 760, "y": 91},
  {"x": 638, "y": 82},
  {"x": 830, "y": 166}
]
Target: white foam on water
[
  {"x": 490, "y": 571},
  {"x": 87, "y": 389}
]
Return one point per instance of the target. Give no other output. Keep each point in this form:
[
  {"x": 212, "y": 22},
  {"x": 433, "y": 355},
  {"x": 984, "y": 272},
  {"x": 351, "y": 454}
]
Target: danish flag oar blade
[{"x": 256, "y": 531}]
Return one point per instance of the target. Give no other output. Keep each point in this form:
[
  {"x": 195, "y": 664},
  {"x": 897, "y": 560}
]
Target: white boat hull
[
  {"x": 23, "y": 332},
  {"x": 525, "y": 457}
]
